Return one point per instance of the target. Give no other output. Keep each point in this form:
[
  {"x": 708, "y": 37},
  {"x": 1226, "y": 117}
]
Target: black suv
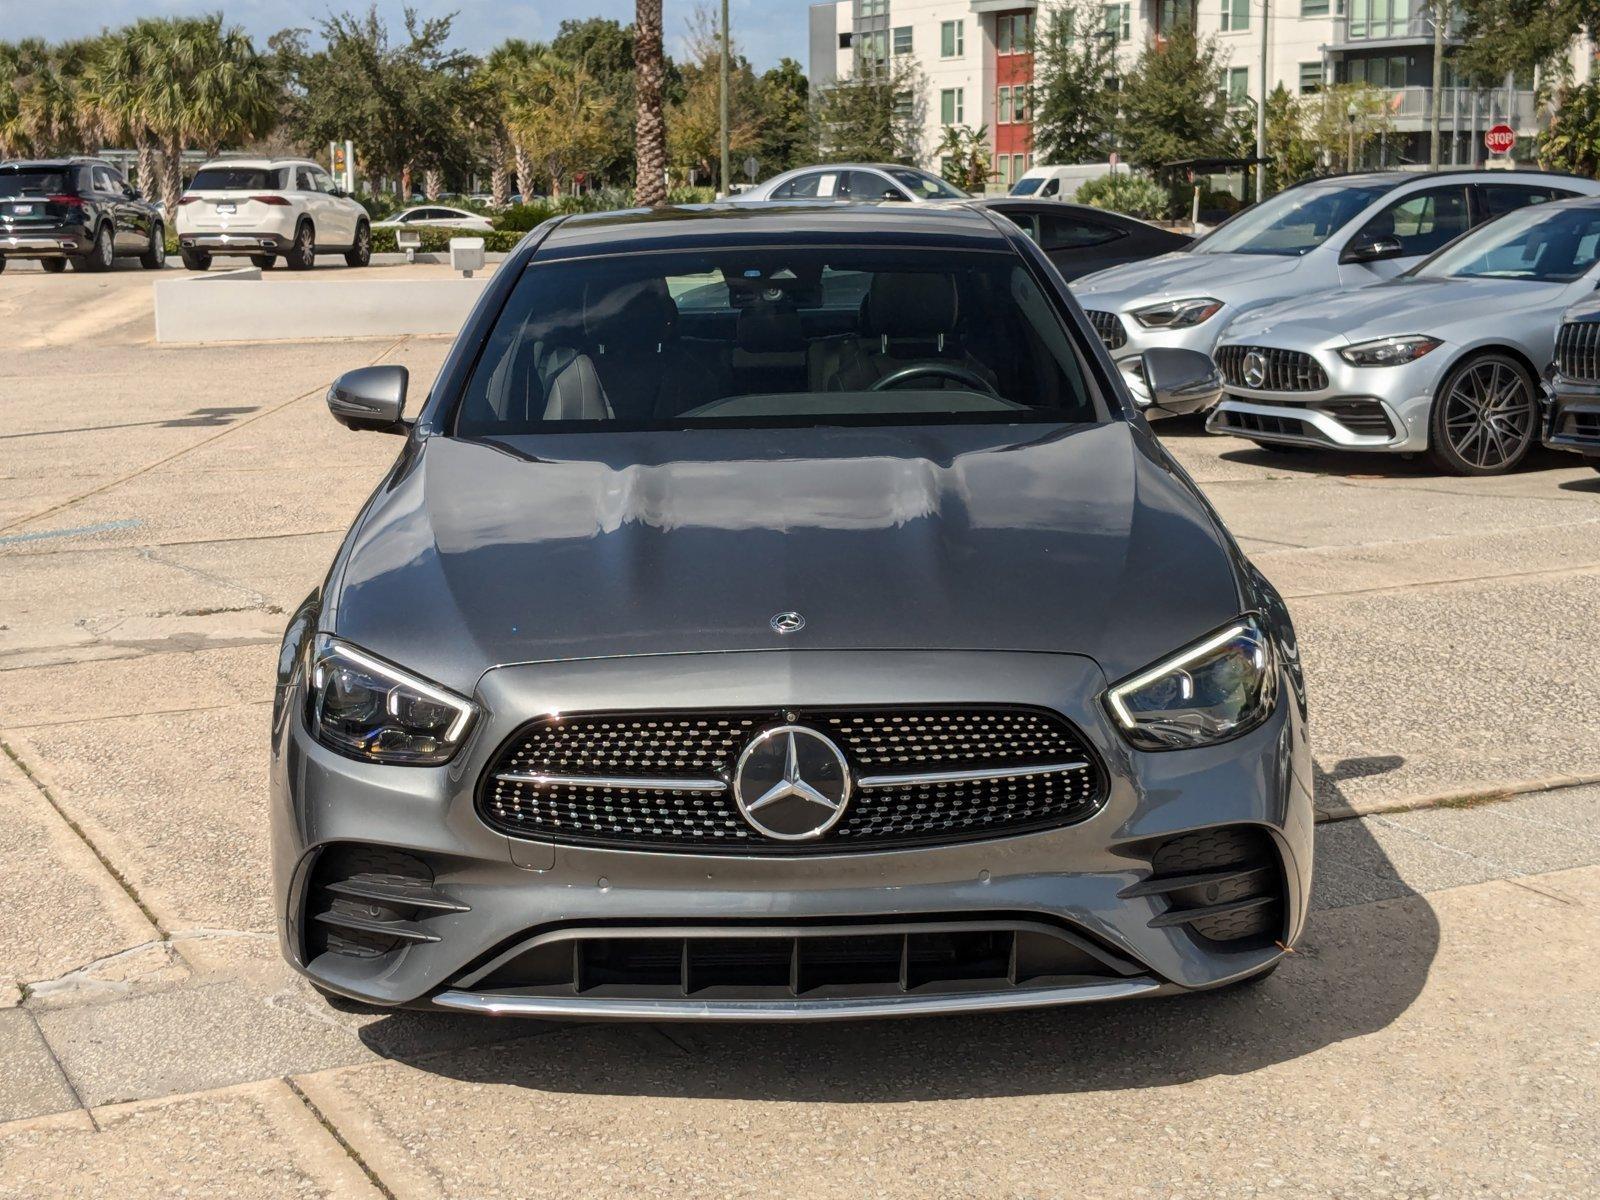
[
  {"x": 1572, "y": 385},
  {"x": 77, "y": 210}
]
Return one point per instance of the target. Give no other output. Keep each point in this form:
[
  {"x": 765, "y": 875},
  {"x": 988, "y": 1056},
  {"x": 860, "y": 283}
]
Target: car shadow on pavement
[{"x": 1362, "y": 962}]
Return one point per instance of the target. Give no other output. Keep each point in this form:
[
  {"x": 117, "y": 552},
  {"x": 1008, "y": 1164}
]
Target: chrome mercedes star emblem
[
  {"x": 1255, "y": 369},
  {"x": 787, "y": 622},
  {"x": 791, "y": 784}
]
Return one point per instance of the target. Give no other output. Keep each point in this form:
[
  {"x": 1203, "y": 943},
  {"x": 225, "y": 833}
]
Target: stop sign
[{"x": 1499, "y": 139}]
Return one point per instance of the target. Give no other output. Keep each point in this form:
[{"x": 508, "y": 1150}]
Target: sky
[{"x": 765, "y": 30}]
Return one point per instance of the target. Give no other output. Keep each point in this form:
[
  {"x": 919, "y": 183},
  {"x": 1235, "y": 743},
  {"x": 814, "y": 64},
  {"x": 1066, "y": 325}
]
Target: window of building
[
  {"x": 1013, "y": 33},
  {"x": 1235, "y": 15},
  {"x": 905, "y": 106},
  {"x": 952, "y": 39},
  {"x": 1238, "y": 86},
  {"x": 1019, "y": 166},
  {"x": 874, "y": 8},
  {"x": 1313, "y": 8},
  {"x": 1119, "y": 20},
  {"x": 1003, "y": 166},
  {"x": 1002, "y": 106},
  {"x": 873, "y": 46},
  {"x": 845, "y": 40},
  {"x": 1022, "y": 102},
  {"x": 902, "y": 40},
  {"x": 952, "y": 106},
  {"x": 1310, "y": 77}
]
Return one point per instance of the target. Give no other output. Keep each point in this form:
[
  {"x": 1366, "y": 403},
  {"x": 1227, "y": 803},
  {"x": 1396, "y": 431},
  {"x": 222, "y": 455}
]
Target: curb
[{"x": 1464, "y": 798}]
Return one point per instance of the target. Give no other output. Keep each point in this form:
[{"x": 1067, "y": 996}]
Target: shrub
[
  {"x": 522, "y": 217},
  {"x": 1124, "y": 192},
  {"x": 437, "y": 241}
]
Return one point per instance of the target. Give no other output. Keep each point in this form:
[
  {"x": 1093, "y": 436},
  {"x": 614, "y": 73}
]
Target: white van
[{"x": 1058, "y": 183}]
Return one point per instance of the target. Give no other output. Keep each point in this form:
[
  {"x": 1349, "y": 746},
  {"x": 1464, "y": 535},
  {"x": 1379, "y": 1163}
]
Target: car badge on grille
[
  {"x": 1255, "y": 369},
  {"x": 791, "y": 783},
  {"x": 787, "y": 622}
]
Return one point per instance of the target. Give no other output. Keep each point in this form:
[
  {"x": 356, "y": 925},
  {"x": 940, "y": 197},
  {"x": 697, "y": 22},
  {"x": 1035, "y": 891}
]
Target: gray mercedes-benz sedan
[{"x": 784, "y": 612}]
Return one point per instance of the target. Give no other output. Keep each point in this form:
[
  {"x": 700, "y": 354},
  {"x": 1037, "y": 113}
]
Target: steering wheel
[{"x": 946, "y": 370}]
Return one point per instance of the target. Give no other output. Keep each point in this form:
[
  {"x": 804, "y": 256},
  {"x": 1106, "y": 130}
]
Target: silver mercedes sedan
[{"x": 1445, "y": 359}]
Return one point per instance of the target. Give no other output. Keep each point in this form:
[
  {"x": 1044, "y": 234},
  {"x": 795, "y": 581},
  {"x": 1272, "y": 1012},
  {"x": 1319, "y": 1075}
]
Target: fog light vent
[
  {"x": 368, "y": 901},
  {"x": 1224, "y": 885}
]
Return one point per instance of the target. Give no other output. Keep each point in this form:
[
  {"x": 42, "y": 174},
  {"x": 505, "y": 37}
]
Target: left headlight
[
  {"x": 1218, "y": 688},
  {"x": 1178, "y": 314},
  {"x": 370, "y": 709},
  {"x": 1389, "y": 352}
]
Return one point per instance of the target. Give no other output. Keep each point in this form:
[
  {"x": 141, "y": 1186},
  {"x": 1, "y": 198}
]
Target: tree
[
  {"x": 783, "y": 95},
  {"x": 41, "y": 109},
  {"x": 1173, "y": 104},
  {"x": 113, "y": 87},
  {"x": 559, "y": 118},
  {"x": 1074, "y": 112},
  {"x": 1519, "y": 35},
  {"x": 505, "y": 75},
  {"x": 964, "y": 157},
  {"x": 1572, "y": 143},
  {"x": 649, "y": 65},
  {"x": 695, "y": 120},
  {"x": 606, "y": 50},
  {"x": 872, "y": 115}
]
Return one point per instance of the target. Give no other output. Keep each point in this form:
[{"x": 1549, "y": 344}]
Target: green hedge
[{"x": 437, "y": 241}]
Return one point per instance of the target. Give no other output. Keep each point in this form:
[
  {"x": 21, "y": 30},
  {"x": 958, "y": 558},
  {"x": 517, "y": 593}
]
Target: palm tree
[
  {"x": 41, "y": 112},
  {"x": 112, "y": 87},
  {"x": 560, "y": 112},
  {"x": 649, "y": 70},
  {"x": 505, "y": 77}
]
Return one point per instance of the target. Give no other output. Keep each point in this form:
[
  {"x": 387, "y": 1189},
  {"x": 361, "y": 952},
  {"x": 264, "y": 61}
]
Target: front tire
[
  {"x": 1485, "y": 417},
  {"x": 101, "y": 255},
  {"x": 302, "y": 254},
  {"x": 360, "y": 254},
  {"x": 155, "y": 254},
  {"x": 195, "y": 260},
  {"x": 53, "y": 266}
]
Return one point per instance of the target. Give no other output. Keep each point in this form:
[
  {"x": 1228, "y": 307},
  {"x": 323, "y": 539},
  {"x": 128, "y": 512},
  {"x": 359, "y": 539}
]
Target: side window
[
  {"x": 784, "y": 191},
  {"x": 1052, "y": 187},
  {"x": 323, "y": 182},
  {"x": 1500, "y": 198},
  {"x": 806, "y": 187},
  {"x": 1422, "y": 221},
  {"x": 1073, "y": 233},
  {"x": 107, "y": 180},
  {"x": 864, "y": 185},
  {"x": 828, "y": 185},
  {"x": 1025, "y": 221},
  {"x": 302, "y": 180}
]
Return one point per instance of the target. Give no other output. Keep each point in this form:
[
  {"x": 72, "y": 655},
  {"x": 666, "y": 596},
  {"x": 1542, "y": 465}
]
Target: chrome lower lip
[{"x": 568, "y": 1008}]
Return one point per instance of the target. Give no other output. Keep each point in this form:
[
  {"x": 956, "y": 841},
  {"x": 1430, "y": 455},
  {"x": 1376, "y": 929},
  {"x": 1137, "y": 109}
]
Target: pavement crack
[
  {"x": 355, "y": 1155},
  {"x": 257, "y": 599},
  {"x": 122, "y": 880},
  {"x": 62, "y": 1071}
]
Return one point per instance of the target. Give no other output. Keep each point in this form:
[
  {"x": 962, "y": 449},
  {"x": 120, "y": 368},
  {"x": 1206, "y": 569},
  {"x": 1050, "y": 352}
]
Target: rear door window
[
  {"x": 1059, "y": 231},
  {"x": 1497, "y": 199}
]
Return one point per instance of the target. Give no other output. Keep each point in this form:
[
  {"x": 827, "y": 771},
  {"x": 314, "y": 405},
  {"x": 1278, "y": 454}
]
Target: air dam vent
[
  {"x": 369, "y": 901},
  {"x": 1223, "y": 885}
]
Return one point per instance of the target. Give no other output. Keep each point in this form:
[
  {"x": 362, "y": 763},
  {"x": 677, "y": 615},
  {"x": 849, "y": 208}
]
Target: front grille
[
  {"x": 661, "y": 780},
  {"x": 1249, "y": 423},
  {"x": 1284, "y": 370},
  {"x": 1578, "y": 351},
  {"x": 1224, "y": 885},
  {"x": 921, "y": 956},
  {"x": 1109, "y": 326}
]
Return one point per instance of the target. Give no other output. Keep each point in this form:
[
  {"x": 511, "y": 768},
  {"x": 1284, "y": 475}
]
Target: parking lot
[{"x": 162, "y": 509}]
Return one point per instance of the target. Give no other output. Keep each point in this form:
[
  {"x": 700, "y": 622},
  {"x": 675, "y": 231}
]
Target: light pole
[
  {"x": 727, "y": 173},
  {"x": 1113, "y": 84},
  {"x": 1261, "y": 114},
  {"x": 1350, "y": 150}
]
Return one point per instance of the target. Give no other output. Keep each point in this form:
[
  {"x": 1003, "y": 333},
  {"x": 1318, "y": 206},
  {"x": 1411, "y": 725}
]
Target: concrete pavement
[{"x": 162, "y": 508}]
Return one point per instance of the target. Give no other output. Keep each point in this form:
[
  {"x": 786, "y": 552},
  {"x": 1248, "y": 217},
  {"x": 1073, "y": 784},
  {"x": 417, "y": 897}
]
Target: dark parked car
[
  {"x": 783, "y": 612},
  {"x": 1572, "y": 390},
  {"x": 79, "y": 211},
  {"x": 1080, "y": 239}
]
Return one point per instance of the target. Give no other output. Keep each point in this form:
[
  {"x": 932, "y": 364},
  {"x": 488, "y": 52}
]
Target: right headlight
[
  {"x": 1218, "y": 688},
  {"x": 374, "y": 710},
  {"x": 1178, "y": 314},
  {"x": 1389, "y": 351}
]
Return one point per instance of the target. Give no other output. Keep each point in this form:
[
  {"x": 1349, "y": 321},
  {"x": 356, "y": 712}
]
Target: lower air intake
[
  {"x": 1223, "y": 885},
  {"x": 369, "y": 901}
]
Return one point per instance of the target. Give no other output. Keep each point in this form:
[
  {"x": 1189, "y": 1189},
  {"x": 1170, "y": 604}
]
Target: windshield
[
  {"x": 796, "y": 337},
  {"x": 928, "y": 187},
  {"x": 1293, "y": 223},
  {"x": 49, "y": 181},
  {"x": 1026, "y": 187},
  {"x": 240, "y": 179},
  {"x": 1539, "y": 244}
]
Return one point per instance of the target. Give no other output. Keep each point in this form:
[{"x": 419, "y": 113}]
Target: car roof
[
  {"x": 952, "y": 224},
  {"x": 1396, "y": 178},
  {"x": 259, "y": 162},
  {"x": 34, "y": 164}
]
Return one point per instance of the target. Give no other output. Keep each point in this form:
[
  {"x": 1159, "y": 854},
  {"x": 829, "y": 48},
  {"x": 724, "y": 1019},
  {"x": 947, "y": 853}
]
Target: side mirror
[
  {"x": 1181, "y": 381},
  {"x": 372, "y": 398},
  {"x": 1365, "y": 250}
]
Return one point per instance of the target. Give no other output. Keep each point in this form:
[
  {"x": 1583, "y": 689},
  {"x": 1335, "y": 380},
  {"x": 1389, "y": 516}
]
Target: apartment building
[{"x": 976, "y": 63}]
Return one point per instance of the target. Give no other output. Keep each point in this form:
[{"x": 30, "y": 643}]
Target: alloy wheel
[{"x": 1488, "y": 415}]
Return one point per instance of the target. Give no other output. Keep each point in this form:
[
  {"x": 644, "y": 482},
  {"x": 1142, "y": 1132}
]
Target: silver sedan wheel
[{"x": 1489, "y": 415}]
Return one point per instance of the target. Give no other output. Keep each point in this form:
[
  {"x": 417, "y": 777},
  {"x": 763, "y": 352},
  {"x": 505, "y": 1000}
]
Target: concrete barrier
[{"x": 239, "y": 306}]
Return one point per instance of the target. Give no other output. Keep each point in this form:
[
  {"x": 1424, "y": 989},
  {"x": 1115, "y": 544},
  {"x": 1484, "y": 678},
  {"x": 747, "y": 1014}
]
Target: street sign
[
  {"x": 751, "y": 166},
  {"x": 1499, "y": 139}
]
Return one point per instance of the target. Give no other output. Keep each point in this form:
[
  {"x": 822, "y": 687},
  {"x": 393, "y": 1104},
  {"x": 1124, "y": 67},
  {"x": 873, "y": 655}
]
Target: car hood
[
  {"x": 1452, "y": 309},
  {"x": 1081, "y": 539},
  {"x": 1178, "y": 275}
]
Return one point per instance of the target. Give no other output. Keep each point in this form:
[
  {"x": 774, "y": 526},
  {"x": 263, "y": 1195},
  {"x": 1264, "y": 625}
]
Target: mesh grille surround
[
  {"x": 1286, "y": 370},
  {"x": 689, "y": 748},
  {"x": 1578, "y": 351}
]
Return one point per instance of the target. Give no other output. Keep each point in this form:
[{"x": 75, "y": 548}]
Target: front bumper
[
  {"x": 62, "y": 243},
  {"x": 1383, "y": 409},
  {"x": 1572, "y": 416},
  {"x": 498, "y": 896}
]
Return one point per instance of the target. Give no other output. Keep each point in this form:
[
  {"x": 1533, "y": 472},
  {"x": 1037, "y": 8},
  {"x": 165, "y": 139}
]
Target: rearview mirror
[
  {"x": 1181, "y": 381},
  {"x": 1373, "y": 250},
  {"x": 372, "y": 398}
]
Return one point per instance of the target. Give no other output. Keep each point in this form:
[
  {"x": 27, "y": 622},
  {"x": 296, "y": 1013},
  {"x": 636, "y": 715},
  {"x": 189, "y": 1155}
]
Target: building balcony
[
  {"x": 1357, "y": 28},
  {"x": 1411, "y": 109},
  {"x": 995, "y": 6}
]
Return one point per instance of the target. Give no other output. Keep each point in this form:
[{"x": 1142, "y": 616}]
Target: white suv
[{"x": 263, "y": 207}]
